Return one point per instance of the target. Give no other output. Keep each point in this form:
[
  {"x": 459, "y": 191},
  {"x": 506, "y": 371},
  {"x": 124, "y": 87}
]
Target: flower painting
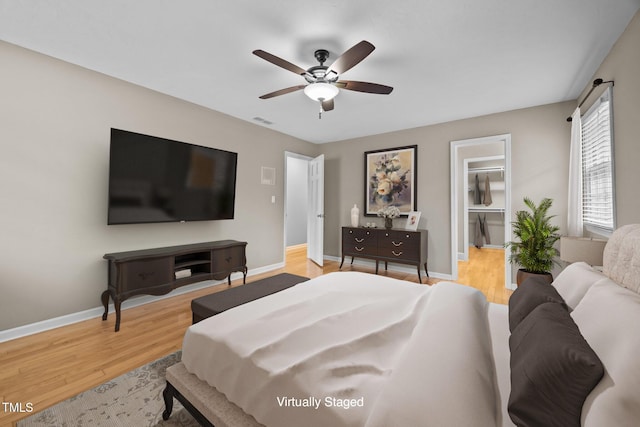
[{"x": 390, "y": 179}]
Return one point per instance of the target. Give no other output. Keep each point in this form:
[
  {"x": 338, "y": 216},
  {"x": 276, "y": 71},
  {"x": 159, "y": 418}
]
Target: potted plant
[{"x": 534, "y": 250}]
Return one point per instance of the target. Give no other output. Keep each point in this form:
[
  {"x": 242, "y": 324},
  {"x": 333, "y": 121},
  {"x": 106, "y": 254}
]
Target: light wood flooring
[{"x": 49, "y": 367}]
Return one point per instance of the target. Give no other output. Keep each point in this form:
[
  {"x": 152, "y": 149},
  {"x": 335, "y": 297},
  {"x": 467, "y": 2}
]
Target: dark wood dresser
[
  {"x": 158, "y": 271},
  {"x": 388, "y": 245}
]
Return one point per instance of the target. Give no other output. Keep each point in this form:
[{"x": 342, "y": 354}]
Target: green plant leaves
[{"x": 534, "y": 251}]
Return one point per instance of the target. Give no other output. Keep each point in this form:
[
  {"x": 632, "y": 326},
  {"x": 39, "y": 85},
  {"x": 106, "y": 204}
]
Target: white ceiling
[{"x": 447, "y": 60}]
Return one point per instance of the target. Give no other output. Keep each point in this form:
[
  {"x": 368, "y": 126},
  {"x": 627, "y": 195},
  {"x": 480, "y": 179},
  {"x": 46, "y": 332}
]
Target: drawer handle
[
  {"x": 359, "y": 240},
  {"x": 397, "y": 244},
  {"x": 359, "y": 249},
  {"x": 394, "y": 252}
]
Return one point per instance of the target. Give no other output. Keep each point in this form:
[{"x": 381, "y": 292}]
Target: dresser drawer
[
  {"x": 359, "y": 241},
  {"x": 227, "y": 260},
  {"x": 395, "y": 239},
  {"x": 399, "y": 254}
]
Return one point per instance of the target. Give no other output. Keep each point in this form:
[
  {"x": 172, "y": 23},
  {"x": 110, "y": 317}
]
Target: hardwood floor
[{"x": 49, "y": 367}]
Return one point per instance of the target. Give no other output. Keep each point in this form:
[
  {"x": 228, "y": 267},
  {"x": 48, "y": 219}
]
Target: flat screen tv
[{"x": 154, "y": 179}]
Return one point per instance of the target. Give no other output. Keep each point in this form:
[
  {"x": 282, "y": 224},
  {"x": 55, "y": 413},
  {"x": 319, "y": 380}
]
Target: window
[{"x": 598, "y": 201}]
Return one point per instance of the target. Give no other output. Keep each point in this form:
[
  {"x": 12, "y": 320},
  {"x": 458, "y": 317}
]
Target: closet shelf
[{"x": 487, "y": 169}]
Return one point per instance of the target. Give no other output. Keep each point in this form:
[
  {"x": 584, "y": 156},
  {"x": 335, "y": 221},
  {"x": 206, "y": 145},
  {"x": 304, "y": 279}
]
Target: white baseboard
[
  {"x": 68, "y": 319},
  {"x": 392, "y": 267}
]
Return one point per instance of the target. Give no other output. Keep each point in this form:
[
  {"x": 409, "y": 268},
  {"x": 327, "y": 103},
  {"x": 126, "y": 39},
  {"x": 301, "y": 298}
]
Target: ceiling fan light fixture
[{"x": 321, "y": 91}]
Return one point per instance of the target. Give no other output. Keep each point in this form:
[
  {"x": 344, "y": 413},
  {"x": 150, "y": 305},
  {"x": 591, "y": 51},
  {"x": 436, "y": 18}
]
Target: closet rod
[
  {"x": 486, "y": 169},
  {"x": 596, "y": 83}
]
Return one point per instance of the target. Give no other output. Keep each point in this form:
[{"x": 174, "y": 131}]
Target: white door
[{"x": 315, "y": 223}]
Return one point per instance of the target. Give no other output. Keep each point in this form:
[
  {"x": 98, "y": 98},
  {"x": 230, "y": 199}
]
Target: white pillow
[
  {"x": 608, "y": 317},
  {"x": 575, "y": 280}
]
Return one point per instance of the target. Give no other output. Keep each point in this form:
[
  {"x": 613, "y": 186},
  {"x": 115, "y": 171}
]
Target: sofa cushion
[
  {"x": 553, "y": 369},
  {"x": 530, "y": 294}
]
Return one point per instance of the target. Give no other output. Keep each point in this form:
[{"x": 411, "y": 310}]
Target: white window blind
[{"x": 597, "y": 165}]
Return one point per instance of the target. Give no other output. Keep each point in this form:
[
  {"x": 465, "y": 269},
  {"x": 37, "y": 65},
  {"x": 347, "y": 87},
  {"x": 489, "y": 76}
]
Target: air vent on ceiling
[{"x": 263, "y": 121}]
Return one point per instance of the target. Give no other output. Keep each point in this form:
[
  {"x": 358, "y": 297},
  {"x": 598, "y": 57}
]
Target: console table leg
[
  {"x": 117, "y": 304},
  {"x": 105, "y": 302},
  {"x": 341, "y": 262},
  {"x": 419, "y": 278},
  {"x": 425, "y": 268}
]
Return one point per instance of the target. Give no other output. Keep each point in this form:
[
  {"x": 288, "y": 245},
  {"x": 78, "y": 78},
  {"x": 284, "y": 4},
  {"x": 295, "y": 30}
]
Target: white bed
[{"x": 354, "y": 349}]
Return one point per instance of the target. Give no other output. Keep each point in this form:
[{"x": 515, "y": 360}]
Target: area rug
[{"x": 133, "y": 399}]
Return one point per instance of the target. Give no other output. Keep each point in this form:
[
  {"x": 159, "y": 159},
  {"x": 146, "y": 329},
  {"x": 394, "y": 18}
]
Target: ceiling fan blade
[
  {"x": 327, "y": 105},
  {"x": 351, "y": 57},
  {"x": 282, "y": 91},
  {"x": 364, "y": 87},
  {"x": 279, "y": 62}
]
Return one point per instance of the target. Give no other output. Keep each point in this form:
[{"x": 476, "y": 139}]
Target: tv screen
[{"x": 154, "y": 179}]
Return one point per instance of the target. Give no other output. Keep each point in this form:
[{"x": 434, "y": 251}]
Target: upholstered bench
[{"x": 210, "y": 305}]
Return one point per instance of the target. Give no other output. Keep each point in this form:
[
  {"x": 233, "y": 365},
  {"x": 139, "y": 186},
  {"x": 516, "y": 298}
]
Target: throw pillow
[
  {"x": 530, "y": 294},
  {"x": 553, "y": 369}
]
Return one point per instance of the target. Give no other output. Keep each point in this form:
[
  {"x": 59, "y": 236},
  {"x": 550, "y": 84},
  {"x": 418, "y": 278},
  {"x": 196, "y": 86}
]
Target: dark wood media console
[{"x": 159, "y": 271}]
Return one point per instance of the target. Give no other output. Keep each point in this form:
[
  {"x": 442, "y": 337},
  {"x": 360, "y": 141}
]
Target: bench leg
[{"x": 168, "y": 394}]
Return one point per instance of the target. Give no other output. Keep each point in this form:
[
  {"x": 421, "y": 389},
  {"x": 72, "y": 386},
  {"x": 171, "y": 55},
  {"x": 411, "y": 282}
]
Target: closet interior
[{"x": 484, "y": 208}]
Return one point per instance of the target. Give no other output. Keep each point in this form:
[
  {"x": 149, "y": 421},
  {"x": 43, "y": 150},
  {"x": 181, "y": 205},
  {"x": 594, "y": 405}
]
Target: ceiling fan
[{"x": 323, "y": 82}]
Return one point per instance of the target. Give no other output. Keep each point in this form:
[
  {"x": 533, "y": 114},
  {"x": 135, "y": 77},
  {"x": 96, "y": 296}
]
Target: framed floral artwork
[{"x": 390, "y": 179}]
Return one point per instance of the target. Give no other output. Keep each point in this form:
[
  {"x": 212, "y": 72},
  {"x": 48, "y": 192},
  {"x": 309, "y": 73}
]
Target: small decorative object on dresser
[
  {"x": 355, "y": 215},
  {"x": 388, "y": 213},
  {"x": 400, "y": 246},
  {"x": 412, "y": 221}
]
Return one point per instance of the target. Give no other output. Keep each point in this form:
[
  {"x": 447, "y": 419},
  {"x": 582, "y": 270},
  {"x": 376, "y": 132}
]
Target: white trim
[
  {"x": 454, "y": 198},
  {"x": 68, "y": 319}
]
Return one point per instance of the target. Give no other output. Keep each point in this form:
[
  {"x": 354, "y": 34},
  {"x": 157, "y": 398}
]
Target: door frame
[
  {"x": 456, "y": 215},
  {"x": 290, "y": 154}
]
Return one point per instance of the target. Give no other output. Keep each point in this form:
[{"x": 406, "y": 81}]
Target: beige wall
[
  {"x": 622, "y": 65},
  {"x": 540, "y": 152},
  {"x": 54, "y": 153}
]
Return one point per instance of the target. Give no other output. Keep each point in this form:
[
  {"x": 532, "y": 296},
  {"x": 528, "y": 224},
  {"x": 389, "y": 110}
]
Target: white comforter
[{"x": 353, "y": 349}]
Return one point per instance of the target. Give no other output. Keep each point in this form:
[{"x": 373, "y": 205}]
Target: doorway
[
  {"x": 304, "y": 205},
  {"x": 480, "y": 200}
]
